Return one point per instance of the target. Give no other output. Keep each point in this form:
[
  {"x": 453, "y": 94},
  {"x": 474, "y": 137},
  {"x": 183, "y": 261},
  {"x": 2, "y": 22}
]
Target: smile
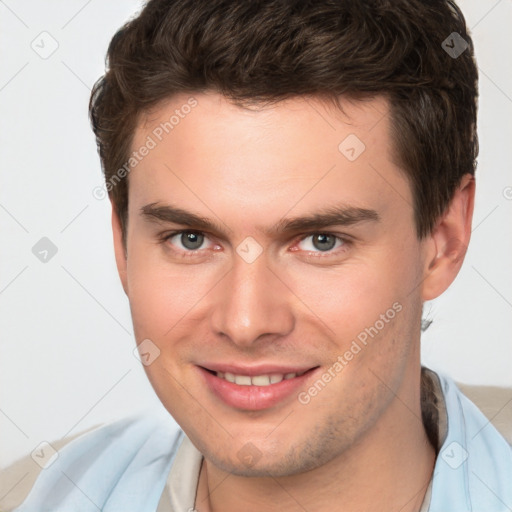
[
  {"x": 257, "y": 380},
  {"x": 264, "y": 388}
]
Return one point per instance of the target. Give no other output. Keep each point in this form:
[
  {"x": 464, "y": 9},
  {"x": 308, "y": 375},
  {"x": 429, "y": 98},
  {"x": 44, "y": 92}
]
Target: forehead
[
  {"x": 209, "y": 151},
  {"x": 212, "y": 117}
]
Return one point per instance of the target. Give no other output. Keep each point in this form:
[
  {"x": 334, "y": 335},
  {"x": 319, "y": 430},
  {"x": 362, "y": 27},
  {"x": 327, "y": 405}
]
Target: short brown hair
[{"x": 270, "y": 50}]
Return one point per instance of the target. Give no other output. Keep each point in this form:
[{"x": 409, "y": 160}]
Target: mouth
[
  {"x": 255, "y": 388},
  {"x": 257, "y": 380}
]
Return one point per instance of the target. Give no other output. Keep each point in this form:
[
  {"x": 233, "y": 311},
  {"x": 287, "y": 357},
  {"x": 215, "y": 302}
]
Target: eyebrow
[{"x": 339, "y": 215}]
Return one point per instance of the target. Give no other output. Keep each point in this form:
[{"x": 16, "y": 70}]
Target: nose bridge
[{"x": 252, "y": 302}]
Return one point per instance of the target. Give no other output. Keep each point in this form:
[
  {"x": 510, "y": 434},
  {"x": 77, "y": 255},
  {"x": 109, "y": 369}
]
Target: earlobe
[
  {"x": 119, "y": 249},
  {"x": 448, "y": 242}
]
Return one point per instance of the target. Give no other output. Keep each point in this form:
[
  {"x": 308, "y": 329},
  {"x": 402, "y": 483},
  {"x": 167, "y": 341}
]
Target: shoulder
[
  {"x": 484, "y": 407},
  {"x": 475, "y": 456},
  {"x": 119, "y": 466},
  {"x": 495, "y": 403}
]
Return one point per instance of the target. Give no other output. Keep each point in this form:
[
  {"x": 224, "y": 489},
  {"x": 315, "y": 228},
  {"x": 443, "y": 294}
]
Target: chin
[{"x": 278, "y": 460}]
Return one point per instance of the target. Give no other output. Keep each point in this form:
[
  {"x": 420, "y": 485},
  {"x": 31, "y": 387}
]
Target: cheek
[
  {"x": 352, "y": 297},
  {"x": 161, "y": 294}
]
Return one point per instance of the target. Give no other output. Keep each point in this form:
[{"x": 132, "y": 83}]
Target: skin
[{"x": 359, "y": 444}]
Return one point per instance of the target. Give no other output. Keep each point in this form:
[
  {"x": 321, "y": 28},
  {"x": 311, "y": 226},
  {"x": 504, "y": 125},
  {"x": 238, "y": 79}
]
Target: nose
[{"x": 252, "y": 303}]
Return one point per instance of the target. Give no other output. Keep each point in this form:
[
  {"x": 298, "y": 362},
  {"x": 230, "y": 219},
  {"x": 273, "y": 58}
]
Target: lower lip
[{"x": 254, "y": 398}]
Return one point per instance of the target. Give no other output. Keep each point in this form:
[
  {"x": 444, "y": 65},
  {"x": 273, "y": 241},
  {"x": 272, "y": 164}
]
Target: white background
[{"x": 66, "y": 341}]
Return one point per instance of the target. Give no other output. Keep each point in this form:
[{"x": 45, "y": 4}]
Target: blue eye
[
  {"x": 190, "y": 240},
  {"x": 192, "y": 243},
  {"x": 322, "y": 242}
]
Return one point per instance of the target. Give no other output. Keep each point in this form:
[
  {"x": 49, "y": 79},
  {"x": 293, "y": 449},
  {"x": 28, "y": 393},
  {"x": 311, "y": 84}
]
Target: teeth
[
  {"x": 257, "y": 380},
  {"x": 243, "y": 380},
  {"x": 275, "y": 378},
  {"x": 260, "y": 380}
]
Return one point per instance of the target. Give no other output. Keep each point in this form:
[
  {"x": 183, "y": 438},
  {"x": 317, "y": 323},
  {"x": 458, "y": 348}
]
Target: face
[{"x": 299, "y": 278}]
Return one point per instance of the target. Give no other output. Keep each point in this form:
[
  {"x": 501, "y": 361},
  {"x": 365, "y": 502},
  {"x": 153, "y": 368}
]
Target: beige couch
[{"x": 17, "y": 479}]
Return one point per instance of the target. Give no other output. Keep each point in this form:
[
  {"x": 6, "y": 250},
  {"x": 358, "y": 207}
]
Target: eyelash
[{"x": 186, "y": 253}]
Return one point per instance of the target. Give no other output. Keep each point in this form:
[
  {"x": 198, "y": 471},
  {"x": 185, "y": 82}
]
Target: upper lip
[{"x": 253, "y": 370}]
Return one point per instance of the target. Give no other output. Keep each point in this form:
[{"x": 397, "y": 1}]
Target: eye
[
  {"x": 190, "y": 241},
  {"x": 321, "y": 242}
]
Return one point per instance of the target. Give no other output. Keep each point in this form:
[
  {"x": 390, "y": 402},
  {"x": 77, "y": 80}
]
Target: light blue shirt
[{"x": 123, "y": 467}]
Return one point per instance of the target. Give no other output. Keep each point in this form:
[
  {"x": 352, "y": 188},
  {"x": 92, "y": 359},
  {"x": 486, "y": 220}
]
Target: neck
[{"x": 388, "y": 469}]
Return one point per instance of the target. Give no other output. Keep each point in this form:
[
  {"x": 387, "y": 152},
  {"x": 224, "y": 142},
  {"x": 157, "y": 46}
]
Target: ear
[
  {"x": 446, "y": 246},
  {"x": 119, "y": 249}
]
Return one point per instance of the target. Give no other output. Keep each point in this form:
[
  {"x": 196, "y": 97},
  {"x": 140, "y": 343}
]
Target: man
[{"x": 290, "y": 181}]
